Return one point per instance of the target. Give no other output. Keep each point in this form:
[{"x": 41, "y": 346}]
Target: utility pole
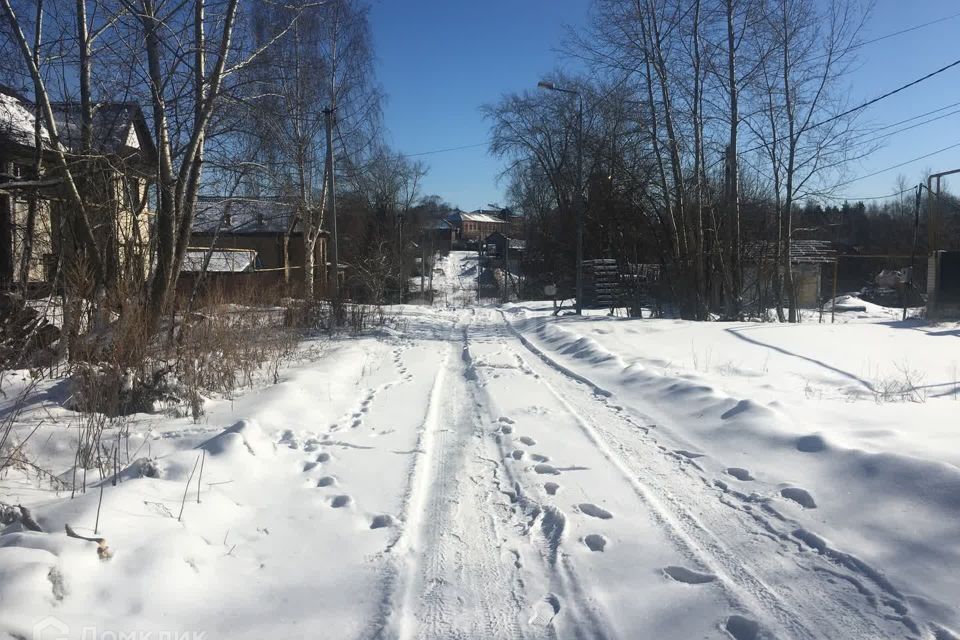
[
  {"x": 913, "y": 252},
  {"x": 332, "y": 210},
  {"x": 479, "y": 265},
  {"x": 580, "y": 204}
]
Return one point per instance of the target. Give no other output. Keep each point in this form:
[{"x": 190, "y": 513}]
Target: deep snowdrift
[{"x": 847, "y": 432}]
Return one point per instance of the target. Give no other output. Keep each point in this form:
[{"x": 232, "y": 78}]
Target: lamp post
[{"x": 578, "y": 195}]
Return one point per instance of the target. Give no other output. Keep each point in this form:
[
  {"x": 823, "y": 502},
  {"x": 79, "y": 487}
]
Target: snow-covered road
[
  {"x": 541, "y": 508},
  {"x": 478, "y": 473}
]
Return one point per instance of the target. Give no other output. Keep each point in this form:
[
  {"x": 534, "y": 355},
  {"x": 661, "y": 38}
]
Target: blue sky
[{"x": 439, "y": 60}]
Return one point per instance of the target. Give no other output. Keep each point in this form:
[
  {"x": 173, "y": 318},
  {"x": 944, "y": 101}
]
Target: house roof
[
  {"x": 490, "y": 217},
  {"x": 438, "y": 224},
  {"x": 244, "y": 216},
  {"x": 221, "y": 261},
  {"x": 513, "y": 243},
  {"x": 16, "y": 119},
  {"x": 801, "y": 251},
  {"x": 118, "y": 127}
]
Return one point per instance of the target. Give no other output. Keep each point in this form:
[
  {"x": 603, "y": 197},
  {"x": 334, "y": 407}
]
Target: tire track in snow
[
  {"x": 797, "y": 610},
  {"x": 566, "y": 601},
  {"x": 453, "y": 581}
]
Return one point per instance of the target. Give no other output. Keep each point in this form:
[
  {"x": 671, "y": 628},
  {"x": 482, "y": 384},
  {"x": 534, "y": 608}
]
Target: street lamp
[{"x": 578, "y": 195}]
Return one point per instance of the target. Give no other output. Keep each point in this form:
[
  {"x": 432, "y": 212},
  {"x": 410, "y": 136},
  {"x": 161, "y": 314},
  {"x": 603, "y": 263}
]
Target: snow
[
  {"x": 487, "y": 472},
  {"x": 18, "y": 121}
]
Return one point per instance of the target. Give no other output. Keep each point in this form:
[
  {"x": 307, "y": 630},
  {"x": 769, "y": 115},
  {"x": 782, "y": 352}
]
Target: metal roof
[
  {"x": 490, "y": 217},
  {"x": 243, "y": 216},
  {"x": 801, "y": 251},
  {"x": 221, "y": 260}
]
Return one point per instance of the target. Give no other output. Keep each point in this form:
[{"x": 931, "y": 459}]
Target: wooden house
[
  {"x": 263, "y": 226},
  {"x": 113, "y": 176}
]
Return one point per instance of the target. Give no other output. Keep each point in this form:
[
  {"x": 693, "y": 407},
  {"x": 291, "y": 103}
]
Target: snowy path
[
  {"x": 541, "y": 508},
  {"x": 458, "y": 582}
]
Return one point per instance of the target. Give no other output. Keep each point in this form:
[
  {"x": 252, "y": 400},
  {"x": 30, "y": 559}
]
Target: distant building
[
  {"x": 812, "y": 263},
  {"x": 476, "y": 225},
  {"x": 259, "y": 226},
  {"x": 498, "y": 245},
  {"x": 438, "y": 236}
]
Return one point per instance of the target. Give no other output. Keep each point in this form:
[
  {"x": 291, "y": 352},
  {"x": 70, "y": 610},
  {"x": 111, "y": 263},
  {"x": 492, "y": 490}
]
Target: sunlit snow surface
[{"x": 488, "y": 472}]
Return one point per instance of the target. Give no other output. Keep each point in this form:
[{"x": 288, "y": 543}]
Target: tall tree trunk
[
  {"x": 699, "y": 250},
  {"x": 787, "y": 215},
  {"x": 29, "y": 231},
  {"x": 683, "y": 265},
  {"x": 734, "y": 271}
]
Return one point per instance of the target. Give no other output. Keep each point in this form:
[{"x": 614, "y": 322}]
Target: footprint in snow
[
  {"x": 546, "y": 469},
  {"x": 592, "y": 510},
  {"x": 811, "y": 444},
  {"x": 507, "y": 429},
  {"x": 539, "y": 458},
  {"x": 800, "y": 496},
  {"x": 506, "y": 420},
  {"x": 551, "y": 488},
  {"x": 689, "y": 454},
  {"x": 517, "y": 454},
  {"x": 545, "y": 611},
  {"x": 740, "y": 474},
  {"x": 741, "y": 628},
  {"x": 688, "y": 576},
  {"x": 595, "y": 542},
  {"x": 288, "y": 438},
  {"x": 341, "y": 501},
  {"x": 527, "y": 440},
  {"x": 382, "y": 521},
  {"x": 323, "y": 457},
  {"x": 327, "y": 481},
  {"x": 309, "y": 466}
]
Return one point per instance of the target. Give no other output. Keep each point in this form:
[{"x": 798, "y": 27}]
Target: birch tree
[
  {"x": 800, "y": 120},
  {"x": 323, "y": 62}
]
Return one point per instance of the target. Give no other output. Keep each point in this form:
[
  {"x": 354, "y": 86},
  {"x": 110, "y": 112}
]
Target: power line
[
  {"x": 466, "y": 146},
  {"x": 890, "y": 134},
  {"x": 865, "y": 198},
  {"x": 909, "y": 29},
  {"x": 897, "y": 166},
  {"x": 912, "y": 118},
  {"x": 821, "y": 122},
  {"x": 885, "y": 95}
]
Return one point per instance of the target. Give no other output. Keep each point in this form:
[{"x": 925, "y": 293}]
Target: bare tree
[
  {"x": 180, "y": 79},
  {"x": 322, "y": 64},
  {"x": 799, "y": 119}
]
